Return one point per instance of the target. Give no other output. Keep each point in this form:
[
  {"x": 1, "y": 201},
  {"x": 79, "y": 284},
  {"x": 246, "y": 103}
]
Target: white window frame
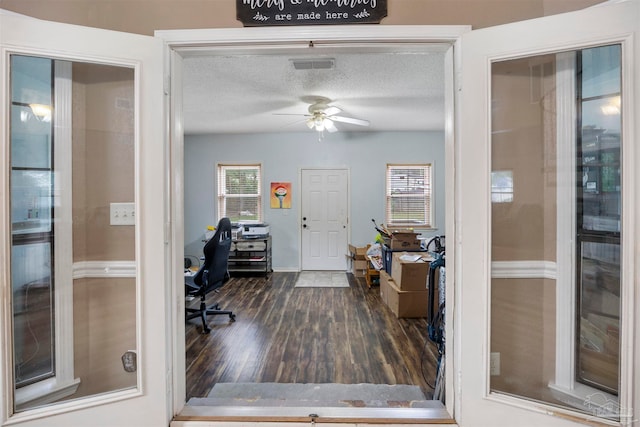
[
  {"x": 565, "y": 387},
  {"x": 222, "y": 196},
  {"x": 427, "y": 195}
]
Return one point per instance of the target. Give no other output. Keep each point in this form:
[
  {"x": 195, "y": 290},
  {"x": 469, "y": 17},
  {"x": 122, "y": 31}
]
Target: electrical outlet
[
  {"x": 494, "y": 364},
  {"x": 122, "y": 213}
]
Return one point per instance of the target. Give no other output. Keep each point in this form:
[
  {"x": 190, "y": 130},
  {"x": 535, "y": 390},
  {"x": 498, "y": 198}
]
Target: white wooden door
[
  {"x": 144, "y": 403},
  {"x": 324, "y": 196},
  {"x": 477, "y": 401}
]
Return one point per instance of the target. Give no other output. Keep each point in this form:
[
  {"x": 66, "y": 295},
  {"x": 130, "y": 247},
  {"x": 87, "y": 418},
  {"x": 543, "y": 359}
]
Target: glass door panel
[
  {"x": 31, "y": 221},
  {"x": 73, "y": 267},
  {"x": 599, "y": 214},
  {"x": 560, "y": 189},
  {"x": 34, "y": 334}
]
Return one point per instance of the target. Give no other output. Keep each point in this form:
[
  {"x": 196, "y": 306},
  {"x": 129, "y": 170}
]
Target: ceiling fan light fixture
[
  {"x": 41, "y": 112},
  {"x": 310, "y": 123},
  {"x": 318, "y": 123},
  {"x": 322, "y": 117}
]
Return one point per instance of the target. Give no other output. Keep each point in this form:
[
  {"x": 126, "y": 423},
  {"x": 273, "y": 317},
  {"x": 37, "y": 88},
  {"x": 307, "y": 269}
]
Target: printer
[{"x": 254, "y": 230}]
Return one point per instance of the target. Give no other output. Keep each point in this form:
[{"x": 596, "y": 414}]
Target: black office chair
[{"x": 211, "y": 275}]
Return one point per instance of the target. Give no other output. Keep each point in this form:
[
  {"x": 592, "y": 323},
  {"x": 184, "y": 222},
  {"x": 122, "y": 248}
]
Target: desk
[{"x": 251, "y": 256}]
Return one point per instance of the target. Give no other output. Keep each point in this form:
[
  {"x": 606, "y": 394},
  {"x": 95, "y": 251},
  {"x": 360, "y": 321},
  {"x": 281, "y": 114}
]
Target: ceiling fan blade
[
  {"x": 294, "y": 123},
  {"x": 330, "y": 111},
  {"x": 350, "y": 120},
  {"x": 329, "y": 126}
]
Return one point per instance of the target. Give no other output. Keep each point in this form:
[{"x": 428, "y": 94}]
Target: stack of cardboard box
[
  {"x": 358, "y": 260},
  {"x": 405, "y": 290}
]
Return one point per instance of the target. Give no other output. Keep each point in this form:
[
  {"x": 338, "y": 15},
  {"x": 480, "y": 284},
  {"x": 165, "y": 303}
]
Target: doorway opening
[{"x": 235, "y": 144}]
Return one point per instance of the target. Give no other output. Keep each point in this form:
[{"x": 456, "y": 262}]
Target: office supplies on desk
[{"x": 255, "y": 231}]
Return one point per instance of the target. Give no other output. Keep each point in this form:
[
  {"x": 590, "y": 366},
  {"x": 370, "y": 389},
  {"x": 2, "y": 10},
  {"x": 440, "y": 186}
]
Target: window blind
[
  {"x": 239, "y": 192},
  {"x": 408, "y": 195}
]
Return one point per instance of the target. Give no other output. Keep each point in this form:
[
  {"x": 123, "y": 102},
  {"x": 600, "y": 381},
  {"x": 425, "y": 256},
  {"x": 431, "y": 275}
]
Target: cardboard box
[
  {"x": 404, "y": 240},
  {"x": 404, "y": 304},
  {"x": 359, "y": 267},
  {"x": 410, "y": 275},
  {"x": 387, "y": 256},
  {"x": 357, "y": 252},
  {"x": 407, "y": 245},
  {"x": 359, "y": 263},
  {"x": 385, "y": 278}
]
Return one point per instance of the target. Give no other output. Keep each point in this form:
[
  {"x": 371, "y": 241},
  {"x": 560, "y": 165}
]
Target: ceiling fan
[{"x": 322, "y": 116}]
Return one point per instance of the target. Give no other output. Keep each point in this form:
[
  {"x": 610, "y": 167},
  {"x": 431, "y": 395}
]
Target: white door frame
[
  {"x": 600, "y": 25},
  {"x": 25, "y": 35},
  {"x": 158, "y": 390},
  {"x": 179, "y": 43}
]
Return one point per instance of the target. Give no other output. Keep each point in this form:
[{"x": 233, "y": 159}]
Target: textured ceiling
[{"x": 256, "y": 93}]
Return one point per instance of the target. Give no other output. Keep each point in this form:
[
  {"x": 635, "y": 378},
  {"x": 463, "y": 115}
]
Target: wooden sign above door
[{"x": 253, "y": 13}]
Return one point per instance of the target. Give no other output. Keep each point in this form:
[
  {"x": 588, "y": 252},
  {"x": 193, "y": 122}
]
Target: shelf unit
[{"x": 250, "y": 256}]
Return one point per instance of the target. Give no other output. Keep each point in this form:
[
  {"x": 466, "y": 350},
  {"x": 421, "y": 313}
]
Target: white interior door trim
[
  {"x": 270, "y": 37},
  {"x": 183, "y": 42}
]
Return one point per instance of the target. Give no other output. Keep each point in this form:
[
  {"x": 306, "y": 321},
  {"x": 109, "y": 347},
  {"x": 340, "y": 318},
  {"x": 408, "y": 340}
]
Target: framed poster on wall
[{"x": 280, "y": 195}]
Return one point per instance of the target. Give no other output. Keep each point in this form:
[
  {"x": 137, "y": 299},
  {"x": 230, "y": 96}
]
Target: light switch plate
[{"x": 122, "y": 214}]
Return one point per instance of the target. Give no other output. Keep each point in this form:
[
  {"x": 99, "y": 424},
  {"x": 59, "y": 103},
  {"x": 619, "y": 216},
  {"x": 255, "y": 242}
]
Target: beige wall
[
  {"x": 103, "y": 172},
  {"x": 523, "y": 327},
  {"x": 145, "y": 16},
  {"x": 523, "y": 331},
  {"x": 523, "y": 141},
  {"x": 103, "y": 156},
  {"x": 104, "y": 329}
]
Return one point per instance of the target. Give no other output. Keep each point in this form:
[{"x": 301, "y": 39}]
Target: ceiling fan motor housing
[{"x": 318, "y": 108}]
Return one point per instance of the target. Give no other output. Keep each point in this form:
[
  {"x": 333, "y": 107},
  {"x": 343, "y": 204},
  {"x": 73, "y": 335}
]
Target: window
[
  {"x": 409, "y": 195},
  {"x": 42, "y": 303},
  {"x": 239, "y": 192},
  {"x": 31, "y": 220},
  {"x": 599, "y": 208},
  {"x": 502, "y": 187}
]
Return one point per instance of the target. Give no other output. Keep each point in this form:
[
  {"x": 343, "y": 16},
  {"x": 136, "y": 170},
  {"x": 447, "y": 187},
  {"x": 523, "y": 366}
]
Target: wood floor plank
[{"x": 306, "y": 335}]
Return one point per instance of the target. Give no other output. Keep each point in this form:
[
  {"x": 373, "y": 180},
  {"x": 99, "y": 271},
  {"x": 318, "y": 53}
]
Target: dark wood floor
[{"x": 306, "y": 335}]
